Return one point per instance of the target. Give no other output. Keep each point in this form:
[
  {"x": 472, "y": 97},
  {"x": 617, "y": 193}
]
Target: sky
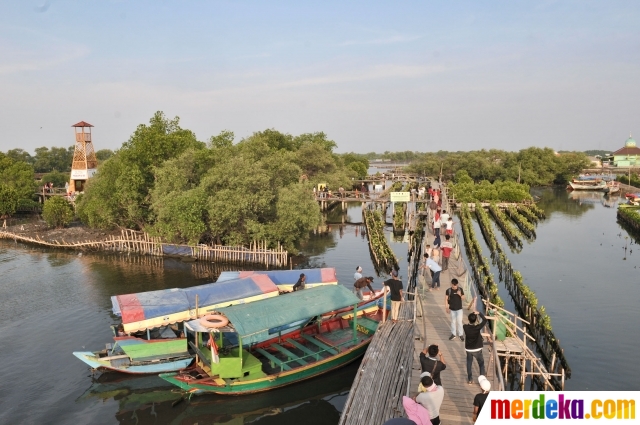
[{"x": 374, "y": 76}]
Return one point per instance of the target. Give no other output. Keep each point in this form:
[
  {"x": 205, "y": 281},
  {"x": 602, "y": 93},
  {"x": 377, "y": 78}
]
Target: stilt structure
[{"x": 84, "y": 158}]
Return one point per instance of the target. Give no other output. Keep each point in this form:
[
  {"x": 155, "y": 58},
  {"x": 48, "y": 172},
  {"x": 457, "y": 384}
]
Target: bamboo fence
[{"x": 132, "y": 241}]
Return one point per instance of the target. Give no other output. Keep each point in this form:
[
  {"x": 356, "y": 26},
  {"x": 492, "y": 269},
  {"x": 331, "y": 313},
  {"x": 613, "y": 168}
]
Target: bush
[
  {"x": 8, "y": 200},
  {"x": 57, "y": 212}
]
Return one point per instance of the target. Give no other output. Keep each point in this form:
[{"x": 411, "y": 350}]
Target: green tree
[
  {"x": 222, "y": 140},
  {"x": 57, "y": 178},
  {"x": 119, "y": 193},
  {"x": 8, "y": 201},
  {"x": 57, "y": 212},
  {"x": 17, "y": 175},
  {"x": 20, "y": 155},
  {"x": 54, "y": 159},
  {"x": 104, "y": 154}
]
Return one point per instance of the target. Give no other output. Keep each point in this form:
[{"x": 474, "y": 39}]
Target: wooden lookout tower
[{"x": 84, "y": 157}]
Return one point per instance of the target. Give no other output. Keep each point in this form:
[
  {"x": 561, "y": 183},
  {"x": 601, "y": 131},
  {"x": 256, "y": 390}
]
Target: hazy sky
[{"x": 374, "y": 76}]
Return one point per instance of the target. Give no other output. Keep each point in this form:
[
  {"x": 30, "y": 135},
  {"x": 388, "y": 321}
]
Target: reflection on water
[{"x": 151, "y": 400}]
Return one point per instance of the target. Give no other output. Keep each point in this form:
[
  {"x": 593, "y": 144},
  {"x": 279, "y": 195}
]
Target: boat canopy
[
  {"x": 261, "y": 316},
  {"x": 146, "y": 310},
  {"x": 326, "y": 275}
]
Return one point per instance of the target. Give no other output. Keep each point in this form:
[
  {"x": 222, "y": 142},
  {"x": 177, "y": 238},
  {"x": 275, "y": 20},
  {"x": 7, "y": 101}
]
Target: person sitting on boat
[
  {"x": 359, "y": 285},
  {"x": 300, "y": 284}
]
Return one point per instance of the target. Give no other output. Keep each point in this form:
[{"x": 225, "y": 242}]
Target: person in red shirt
[{"x": 446, "y": 248}]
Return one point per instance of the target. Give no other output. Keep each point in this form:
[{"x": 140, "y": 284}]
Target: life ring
[{"x": 214, "y": 321}]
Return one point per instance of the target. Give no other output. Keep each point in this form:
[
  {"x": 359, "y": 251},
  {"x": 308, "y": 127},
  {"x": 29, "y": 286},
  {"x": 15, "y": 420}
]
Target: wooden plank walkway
[{"x": 457, "y": 406}]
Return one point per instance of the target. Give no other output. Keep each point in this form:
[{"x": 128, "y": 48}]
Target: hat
[
  {"x": 358, "y": 269},
  {"x": 484, "y": 383},
  {"x": 394, "y": 273},
  {"x": 423, "y": 374}
]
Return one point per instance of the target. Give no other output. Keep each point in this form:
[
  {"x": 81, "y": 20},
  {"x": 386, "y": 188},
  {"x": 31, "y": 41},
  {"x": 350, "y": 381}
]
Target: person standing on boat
[
  {"x": 300, "y": 284},
  {"x": 395, "y": 287},
  {"x": 473, "y": 344},
  {"x": 358, "y": 274},
  {"x": 453, "y": 303},
  {"x": 359, "y": 285},
  {"x": 431, "y": 398}
]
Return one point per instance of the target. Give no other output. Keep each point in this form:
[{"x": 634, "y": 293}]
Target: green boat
[{"x": 317, "y": 347}]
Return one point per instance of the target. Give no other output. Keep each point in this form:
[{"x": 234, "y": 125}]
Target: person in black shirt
[
  {"x": 480, "y": 398},
  {"x": 453, "y": 304},
  {"x": 473, "y": 343},
  {"x": 395, "y": 287},
  {"x": 300, "y": 284},
  {"x": 434, "y": 363}
]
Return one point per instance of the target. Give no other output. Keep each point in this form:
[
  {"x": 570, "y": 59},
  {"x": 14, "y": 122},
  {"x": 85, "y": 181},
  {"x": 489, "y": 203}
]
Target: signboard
[
  {"x": 82, "y": 174},
  {"x": 377, "y": 188},
  {"x": 400, "y": 196}
]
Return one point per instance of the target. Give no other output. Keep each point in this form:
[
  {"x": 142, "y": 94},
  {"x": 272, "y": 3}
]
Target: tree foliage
[
  {"x": 17, "y": 175},
  {"x": 119, "y": 193},
  {"x": 57, "y": 212},
  {"x": 56, "y": 177},
  {"x": 533, "y": 166},
  {"x": 166, "y": 182},
  {"x": 54, "y": 159},
  {"x": 8, "y": 201}
]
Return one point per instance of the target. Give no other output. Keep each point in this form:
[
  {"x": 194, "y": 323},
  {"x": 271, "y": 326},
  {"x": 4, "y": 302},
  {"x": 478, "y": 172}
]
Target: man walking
[
  {"x": 446, "y": 248},
  {"x": 435, "y": 270},
  {"x": 432, "y": 361},
  {"x": 359, "y": 285},
  {"x": 395, "y": 287},
  {"x": 453, "y": 303},
  {"x": 473, "y": 344}
]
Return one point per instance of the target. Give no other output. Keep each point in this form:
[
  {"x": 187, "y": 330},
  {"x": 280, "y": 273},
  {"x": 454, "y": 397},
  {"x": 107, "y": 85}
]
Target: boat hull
[
  {"x": 582, "y": 186},
  {"x": 273, "y": 381},
  {"x": 95, "y": 362}
]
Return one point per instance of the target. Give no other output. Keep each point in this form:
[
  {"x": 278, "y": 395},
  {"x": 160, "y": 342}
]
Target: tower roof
[{"x": 82, "y": 124}]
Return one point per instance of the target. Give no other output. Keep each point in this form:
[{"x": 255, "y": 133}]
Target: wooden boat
[
  {"x": 588, "y": 185},
  {"x": 612, "y": 188},
  {"x": 285, "y": 279},
  {"x": 140, "y": 357},
  {"x": 165, "y": 349},
  {"x": 315, "y": 348}
]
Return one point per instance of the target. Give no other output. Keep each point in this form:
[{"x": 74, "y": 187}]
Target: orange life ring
[{"x": 214, "y": 321}]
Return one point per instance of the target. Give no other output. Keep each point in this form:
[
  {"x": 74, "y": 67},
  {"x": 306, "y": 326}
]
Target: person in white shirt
[
  {"x": 444, "y": 217},
  {"x": 358, "y": 274},
  {"x": 431, "y": 399}
]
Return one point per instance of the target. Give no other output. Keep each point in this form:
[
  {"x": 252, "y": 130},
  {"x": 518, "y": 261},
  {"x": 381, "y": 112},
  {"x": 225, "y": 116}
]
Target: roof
[
  {"x": 287, "y": 277},
  {"x": 152, "y": 309},
  {"x": 249, "y": 319},
  {"x": 82, "y": 124},
  {"x": 627, "y": 151}
]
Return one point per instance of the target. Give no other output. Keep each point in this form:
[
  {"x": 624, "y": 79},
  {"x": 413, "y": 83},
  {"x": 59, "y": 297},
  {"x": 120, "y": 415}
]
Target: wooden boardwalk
[{"x": 457, "y": 406}]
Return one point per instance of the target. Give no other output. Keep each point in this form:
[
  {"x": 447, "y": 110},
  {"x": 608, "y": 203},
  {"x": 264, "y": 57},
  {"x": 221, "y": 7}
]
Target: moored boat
[
  {"x": 316, "y": 347},
  {"x": 588, "y": 185},
  {"x": 285, "y": 279},
  {"x": 140, "y": 357}
]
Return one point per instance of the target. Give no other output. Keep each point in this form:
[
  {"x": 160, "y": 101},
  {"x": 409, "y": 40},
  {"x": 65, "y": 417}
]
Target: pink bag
[{"x": 415, "y": 411}]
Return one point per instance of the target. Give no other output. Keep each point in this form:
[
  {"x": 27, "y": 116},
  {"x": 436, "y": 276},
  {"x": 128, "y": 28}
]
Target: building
[{"x": 628, "y": 156}]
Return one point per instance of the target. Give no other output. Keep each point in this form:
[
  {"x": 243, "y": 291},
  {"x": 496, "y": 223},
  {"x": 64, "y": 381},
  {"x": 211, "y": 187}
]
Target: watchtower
[{"x": 84, "y": 157}]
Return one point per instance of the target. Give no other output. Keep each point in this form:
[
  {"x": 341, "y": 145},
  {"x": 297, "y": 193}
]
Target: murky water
[{"x": 53, "y": 303}]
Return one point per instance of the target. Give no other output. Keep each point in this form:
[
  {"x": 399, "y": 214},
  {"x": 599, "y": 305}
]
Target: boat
[
  {"x": 149, "y": 340},
  {"x": 605, "y": 177},
  {"x": 633, "y": 201},
  {"x": 315, "y": 348},
  {"x": 588, "y": 185},
  {"x": 613, "y": 187},
  {"x": 285, "y": 279},
  {"x": 140, "y": 357}
]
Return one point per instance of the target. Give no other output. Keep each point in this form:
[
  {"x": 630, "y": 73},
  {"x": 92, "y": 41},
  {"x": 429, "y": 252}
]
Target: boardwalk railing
[{"x": 142, "y": 243}]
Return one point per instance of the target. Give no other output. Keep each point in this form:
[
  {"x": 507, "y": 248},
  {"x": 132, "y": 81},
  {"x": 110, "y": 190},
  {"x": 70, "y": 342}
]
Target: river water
[{"x": 53, "y": 303}]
